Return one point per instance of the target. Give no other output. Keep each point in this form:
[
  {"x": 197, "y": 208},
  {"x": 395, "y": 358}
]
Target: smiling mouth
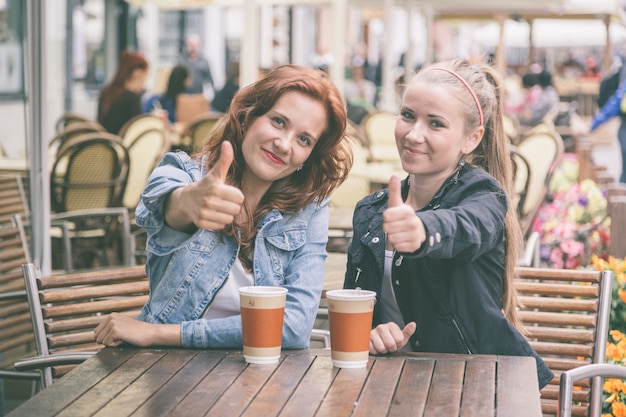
[{"x": 272, "y": 157}]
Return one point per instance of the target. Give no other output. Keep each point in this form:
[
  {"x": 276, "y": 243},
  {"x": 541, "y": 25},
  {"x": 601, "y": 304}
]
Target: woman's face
[
  {"x": 430, "y": 131},
  {"x": 280, "y": 141}
]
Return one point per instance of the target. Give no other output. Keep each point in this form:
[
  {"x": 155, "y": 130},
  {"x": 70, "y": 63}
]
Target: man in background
[{"x": 201, "y": 78}]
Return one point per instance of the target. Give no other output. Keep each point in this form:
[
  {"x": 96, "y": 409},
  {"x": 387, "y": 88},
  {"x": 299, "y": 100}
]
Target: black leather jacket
[{"x": 452, "y": 286}]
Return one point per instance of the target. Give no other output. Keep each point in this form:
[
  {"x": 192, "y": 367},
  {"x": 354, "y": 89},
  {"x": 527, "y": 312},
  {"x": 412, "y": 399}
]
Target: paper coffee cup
[
  {"x": 262, "y": 314},
  {"x": 350, "y": 315}
]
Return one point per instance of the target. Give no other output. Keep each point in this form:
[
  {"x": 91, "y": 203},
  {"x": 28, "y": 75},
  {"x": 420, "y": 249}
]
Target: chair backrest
[
  {"x": 13, "y": 199},
  {"x": 356, "y": 186},
  {"x": 73, "y": 131},
  {"x": 544, "y": 150},
  {"x": 565, "y": 313},
  {"x": 379, "y": 129},
  {"x": 66, "y": 309},
  {"x": 145, "y": 152},
  {"x": 69, "y": 118},
  {"x": 136, "y": 126},
  {"x": 521, "y": 178},
  {"x": 199, "y": 128},
  {"x": 587, "y": 371},
  {"x": 89, "y": 172},
  {"x": 16, "y": 332},
  {"x": 191, "y": 106}
]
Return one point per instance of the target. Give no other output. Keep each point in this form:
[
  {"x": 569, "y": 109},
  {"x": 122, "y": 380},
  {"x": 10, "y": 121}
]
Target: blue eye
[
  {"x": 278, "y": 121},
  {"x": 305, "y": 140}
]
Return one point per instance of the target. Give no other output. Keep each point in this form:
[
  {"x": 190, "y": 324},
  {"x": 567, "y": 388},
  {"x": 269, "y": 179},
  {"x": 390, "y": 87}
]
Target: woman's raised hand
[
  {"x": 209, "y": 203},
  {"x": 405, "y": 231}
]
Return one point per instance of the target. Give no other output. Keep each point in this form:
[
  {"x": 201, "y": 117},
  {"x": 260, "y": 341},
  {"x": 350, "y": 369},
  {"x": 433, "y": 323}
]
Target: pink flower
[
  {"x": 572, "y": 247},
  {"x": 556, "y": 257}
]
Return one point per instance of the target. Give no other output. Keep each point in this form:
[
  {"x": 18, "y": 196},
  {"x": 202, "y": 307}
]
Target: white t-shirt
[
  {"x": 226, "y": 301},
  {"x": 389, "y": 306}
]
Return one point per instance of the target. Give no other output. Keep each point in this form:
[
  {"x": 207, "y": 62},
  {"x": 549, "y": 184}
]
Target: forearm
[
  {"x": 165, "y": 335},
  {"x": 176, "y": 216}
]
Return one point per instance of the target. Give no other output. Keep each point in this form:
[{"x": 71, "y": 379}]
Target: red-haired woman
[
  {"x": 250, "y": 209},
  {"x": 120, "y": 100}
]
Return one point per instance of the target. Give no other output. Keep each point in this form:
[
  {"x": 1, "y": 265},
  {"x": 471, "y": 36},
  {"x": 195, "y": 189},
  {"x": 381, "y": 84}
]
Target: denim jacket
[{"x": 187, "y": 270}]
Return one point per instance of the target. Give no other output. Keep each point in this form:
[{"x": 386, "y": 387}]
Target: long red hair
[{"x": 129, "y": 62}]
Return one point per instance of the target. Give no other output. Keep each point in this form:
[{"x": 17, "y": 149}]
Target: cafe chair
[
  {"x": 379, "y": 129},
  {"x": 87, "y": 182},
  {"x": 198, "y": 129},
  {"x": 145, "y": 152},
  {"x": 72, "y": 131},
  {"x": 565, "y": 315},
  {"x": 13, "y": 198},
  {"x": 69, "y": 118},
  {"x": 16, "y": 331},
  {"x": 566, "y": 387},
  {"x": 136, "y": 126},
  {"x": 543, "y": 149},
  {"x": 66, "y": 309}
]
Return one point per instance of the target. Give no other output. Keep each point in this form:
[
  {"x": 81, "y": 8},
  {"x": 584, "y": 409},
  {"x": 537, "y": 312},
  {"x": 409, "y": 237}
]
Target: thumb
[
  {"x": 395, "y": 195},
  {"x": 227, "y": 155},
  {"x": 408, "y": 331}
]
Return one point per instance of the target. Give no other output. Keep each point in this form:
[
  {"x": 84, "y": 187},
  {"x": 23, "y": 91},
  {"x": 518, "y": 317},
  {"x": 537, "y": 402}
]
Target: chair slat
[
  {"x": 96, "y": 291},
  {"x": 551, "y": 318},
  {"x": 559, "y": 304},
  {"x": 550, "y": 288},
  {"x": 104, "y": 306}
]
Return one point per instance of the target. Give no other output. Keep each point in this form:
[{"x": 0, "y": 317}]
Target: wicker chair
[{"x": 87, "y": 183}]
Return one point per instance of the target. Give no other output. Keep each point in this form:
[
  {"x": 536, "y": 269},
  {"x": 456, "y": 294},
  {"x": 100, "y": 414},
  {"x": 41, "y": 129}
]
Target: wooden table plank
[
  {"x": 312, "y": 388},
  {"x": 113, "y": 384},
  {"x": 344, "y": 393},
  {"x": 275, "y": 394},
  {"x": 212, "y": 386},
  {"x": 379, "y": 388},
  {"x": 479, "y": 389},
  {"x": 241, "y": 392},
  {"x": 512, "y": 395},
  {"x": 160, "y": 404},
  {"x": 446, "y": 389},
  {"x": 413, "y": 388}
]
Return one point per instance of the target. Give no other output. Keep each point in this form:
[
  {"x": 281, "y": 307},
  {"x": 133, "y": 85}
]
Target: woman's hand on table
[{"x": 389, "y": 338}]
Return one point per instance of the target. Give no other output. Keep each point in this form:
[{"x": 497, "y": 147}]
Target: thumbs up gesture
[
  {"x": 209, "y": 203},
  {"x": 405, "y": 231}
]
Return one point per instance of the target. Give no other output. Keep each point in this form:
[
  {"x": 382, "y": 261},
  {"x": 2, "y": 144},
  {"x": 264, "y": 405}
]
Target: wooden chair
[
  {"x": 544, "y": 150},
  {"x": 16, "y": 333},
  {"x": 565, "y": 313},
  {"x": 87, "y": 182},
  {"x": 568, "y": 378},
  {"x": 66, "y": 309},
  {"x": 13, "y": 199}
]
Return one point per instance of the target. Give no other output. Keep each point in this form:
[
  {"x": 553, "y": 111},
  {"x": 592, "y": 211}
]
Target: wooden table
[{"x": 185, "y": 382}]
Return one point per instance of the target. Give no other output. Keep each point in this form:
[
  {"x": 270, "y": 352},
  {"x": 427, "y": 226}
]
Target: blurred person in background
[
  {"x": 192, "y": 58},
  {"x": 225, "y": 95},
  {"x": 120, "y": 100},
  {"x": 177, "y": 83}
]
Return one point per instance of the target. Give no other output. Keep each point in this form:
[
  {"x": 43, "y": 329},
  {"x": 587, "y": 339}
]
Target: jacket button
[
  {"x": 397, "y": 282},
  {"x": 375, "y": 240},
  {"x": 437, "y": 237},
  {"x": 379, "y": 194},
  {"x": 431, "y": 240}
]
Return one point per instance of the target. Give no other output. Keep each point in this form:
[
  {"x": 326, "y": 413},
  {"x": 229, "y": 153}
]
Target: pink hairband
[{"x": 471, "y": 91}]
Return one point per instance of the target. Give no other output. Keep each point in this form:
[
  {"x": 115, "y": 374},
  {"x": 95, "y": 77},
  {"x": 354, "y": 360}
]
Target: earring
[{"x": 299, "y": 168}]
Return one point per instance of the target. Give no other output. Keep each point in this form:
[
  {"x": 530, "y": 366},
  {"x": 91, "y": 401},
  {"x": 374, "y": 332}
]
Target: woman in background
[
  {"x": 120, "y": 100},
  {"x": 177, "y": 83}
]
